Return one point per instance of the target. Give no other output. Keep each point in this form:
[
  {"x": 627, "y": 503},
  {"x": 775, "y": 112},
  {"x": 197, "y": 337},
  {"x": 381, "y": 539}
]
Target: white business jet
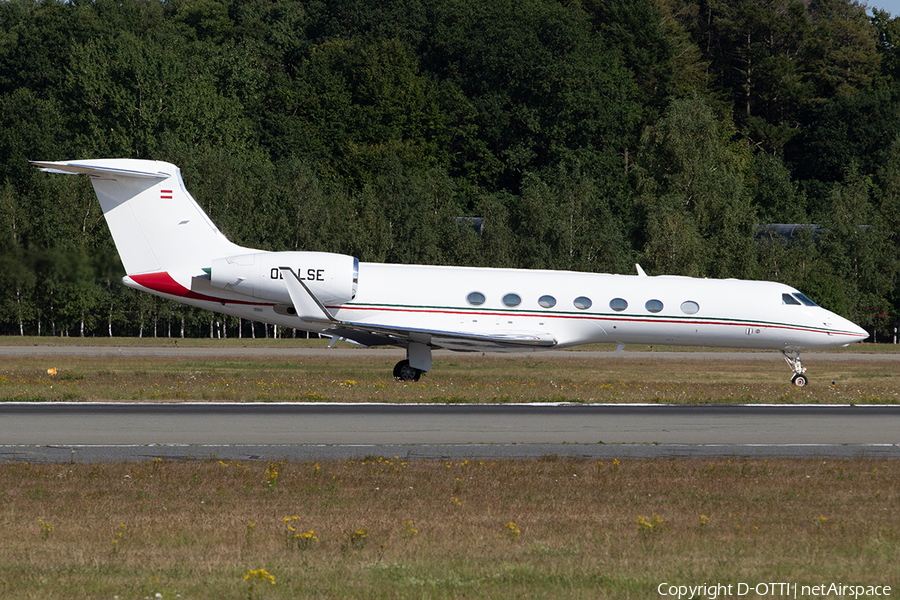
[{"x": 170, "y": 248}]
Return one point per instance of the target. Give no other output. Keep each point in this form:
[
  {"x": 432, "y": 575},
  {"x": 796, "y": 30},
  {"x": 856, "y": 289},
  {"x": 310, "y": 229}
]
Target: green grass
[
  {"x": 587, "y": 529},
  {"x": 364, "y": 375},
  {"x": 288, "y": 342},
  {"x": 443, "y": 529}
]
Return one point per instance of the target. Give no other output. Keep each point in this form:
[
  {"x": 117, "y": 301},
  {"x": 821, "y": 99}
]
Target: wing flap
[{"x": 370, "y": 334}]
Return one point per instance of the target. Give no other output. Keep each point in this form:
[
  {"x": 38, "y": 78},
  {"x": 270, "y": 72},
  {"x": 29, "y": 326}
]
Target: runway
[
  {"x": 60, "y": 432},
  {"x": 121, "y": 431}
]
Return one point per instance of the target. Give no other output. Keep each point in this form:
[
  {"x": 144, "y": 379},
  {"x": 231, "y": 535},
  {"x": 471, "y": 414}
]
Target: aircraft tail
[{"x": 156, "y": 225}]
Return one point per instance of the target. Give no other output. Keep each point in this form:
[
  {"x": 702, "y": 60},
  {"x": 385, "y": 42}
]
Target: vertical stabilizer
[{"x": 156, "y": 224}]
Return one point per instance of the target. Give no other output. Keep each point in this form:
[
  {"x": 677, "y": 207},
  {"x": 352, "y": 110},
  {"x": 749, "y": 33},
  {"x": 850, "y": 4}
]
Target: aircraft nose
[{"x": 851, "y": 328}]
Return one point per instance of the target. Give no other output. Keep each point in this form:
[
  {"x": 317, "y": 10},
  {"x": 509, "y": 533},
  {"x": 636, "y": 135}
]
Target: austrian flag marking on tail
[{"x": 165, "y": 194}]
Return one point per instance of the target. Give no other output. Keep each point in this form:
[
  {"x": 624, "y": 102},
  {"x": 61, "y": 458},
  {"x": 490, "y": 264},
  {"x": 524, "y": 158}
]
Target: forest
[{"x": 586, "y": 135}]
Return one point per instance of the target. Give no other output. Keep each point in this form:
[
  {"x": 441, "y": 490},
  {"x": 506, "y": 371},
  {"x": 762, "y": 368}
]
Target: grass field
[
  {"x": 455, "y": 378},
  {"x": 547, "y": 528}
]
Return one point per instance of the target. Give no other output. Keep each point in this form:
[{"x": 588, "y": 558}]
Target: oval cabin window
[
  {"x": 618, "y": 304},
  {"x": 475, "y": 298},
  {"x": 654, "y": 306},
  {"x": 547, "y": 301},
  {"x": 583, "y": 303},
  {"x": 511, "y": 300},
  {"x": 689, "y": 307}
]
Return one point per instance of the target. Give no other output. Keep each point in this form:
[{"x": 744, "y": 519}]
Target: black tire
[
  {"x": 799, "y": 380},
  {"x": 404, "y": 372}
]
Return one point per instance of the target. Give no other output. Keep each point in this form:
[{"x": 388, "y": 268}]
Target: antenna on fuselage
[{"x": 640, "y": 270}]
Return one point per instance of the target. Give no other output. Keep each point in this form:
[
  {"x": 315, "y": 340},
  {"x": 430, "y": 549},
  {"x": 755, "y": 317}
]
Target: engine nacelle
[{"x": 331, "y": 277}]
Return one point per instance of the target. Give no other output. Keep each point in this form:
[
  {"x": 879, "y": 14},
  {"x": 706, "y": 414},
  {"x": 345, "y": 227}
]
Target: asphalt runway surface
[
  {"x": 120, "y": 431},
  {"x": 89, "y": 432}
]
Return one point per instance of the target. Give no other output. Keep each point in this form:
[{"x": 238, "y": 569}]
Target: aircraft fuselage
[{"x": 663, "y": 310}]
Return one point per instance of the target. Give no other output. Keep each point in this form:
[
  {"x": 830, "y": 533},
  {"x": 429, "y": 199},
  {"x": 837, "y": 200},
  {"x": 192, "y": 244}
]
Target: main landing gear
[
  {"x": 406, "y": 372},
  {"x": 792, "y": 357},
  {"x": 418, "y": 361}
]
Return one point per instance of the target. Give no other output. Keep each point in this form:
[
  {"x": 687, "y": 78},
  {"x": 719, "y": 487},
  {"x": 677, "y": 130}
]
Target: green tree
[
  {"x": 698, "y": 217},
  {"x": 546, "y": 87},
  {"x": 777, "y": 199},
  {"x": 563, "y": 223},
  {"x": 857, "y": 246},
  {"x": 125, "y": 95}
]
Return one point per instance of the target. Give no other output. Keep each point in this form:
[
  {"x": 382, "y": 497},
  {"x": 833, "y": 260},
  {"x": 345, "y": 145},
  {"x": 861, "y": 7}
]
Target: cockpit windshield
[
  {"x": 797, "y": 299},
  {"x": 804, "y": 299}
]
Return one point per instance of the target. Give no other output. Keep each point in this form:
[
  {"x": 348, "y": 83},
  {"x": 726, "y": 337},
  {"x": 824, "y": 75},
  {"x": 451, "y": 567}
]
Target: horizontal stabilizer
[{"x": 98, "y": 172}]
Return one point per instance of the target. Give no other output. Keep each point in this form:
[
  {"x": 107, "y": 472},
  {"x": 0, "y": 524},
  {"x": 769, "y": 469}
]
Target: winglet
[
  {"x": 308, "y": 307},
  {"x": 640, "y": 271}
]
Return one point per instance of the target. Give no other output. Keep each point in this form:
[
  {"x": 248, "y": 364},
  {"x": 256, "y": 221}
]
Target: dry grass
[
  {"x": 443, "y": 529},
  {"x": 365, "y": 376},
  {"x": 549, "y": 528}
]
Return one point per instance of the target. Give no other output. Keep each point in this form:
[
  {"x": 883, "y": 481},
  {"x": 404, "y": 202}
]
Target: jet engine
[{"x": 333, "y": 278}]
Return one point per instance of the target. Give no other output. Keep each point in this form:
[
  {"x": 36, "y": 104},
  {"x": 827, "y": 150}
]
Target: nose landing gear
[{"x": 792, "y": 358}]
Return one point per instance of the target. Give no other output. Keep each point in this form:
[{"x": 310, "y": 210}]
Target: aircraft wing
[
  {"x": 369, "y": 334},
  {"x": 309, "y": 308}
]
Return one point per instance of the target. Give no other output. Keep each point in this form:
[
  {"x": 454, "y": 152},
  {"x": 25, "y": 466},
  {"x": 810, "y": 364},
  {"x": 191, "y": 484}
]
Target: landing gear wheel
[
  {"x": 799, "y": 380},
  {"x": 792, "y": 357},
  {"x": 404, "y": 372}
]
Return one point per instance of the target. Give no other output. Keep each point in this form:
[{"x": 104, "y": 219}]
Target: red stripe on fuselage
[{"x": 164, "y": 284}]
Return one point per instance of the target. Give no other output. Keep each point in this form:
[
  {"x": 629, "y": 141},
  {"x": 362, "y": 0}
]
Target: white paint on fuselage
[{"x": 733, "y": 313}]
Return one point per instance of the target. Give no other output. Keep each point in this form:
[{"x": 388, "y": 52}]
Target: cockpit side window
[
  {"x": 804, "y": 299},
  {"x": 788, "y": 299}
]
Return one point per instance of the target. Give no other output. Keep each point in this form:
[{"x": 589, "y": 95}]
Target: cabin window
[
  {"x": 512, "y": 300},
  {"x": 475, "y": 298},
  {"x": 804, "y": 299},
  {"x": 653, "y": 306},
  {"x": 547, "y": 301},
  {"x": 618, "y": 304},
  {"x": 788, "y": 299},
  {"x": 689, "y": 307},
  {"x": 582, "y": 303}
]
